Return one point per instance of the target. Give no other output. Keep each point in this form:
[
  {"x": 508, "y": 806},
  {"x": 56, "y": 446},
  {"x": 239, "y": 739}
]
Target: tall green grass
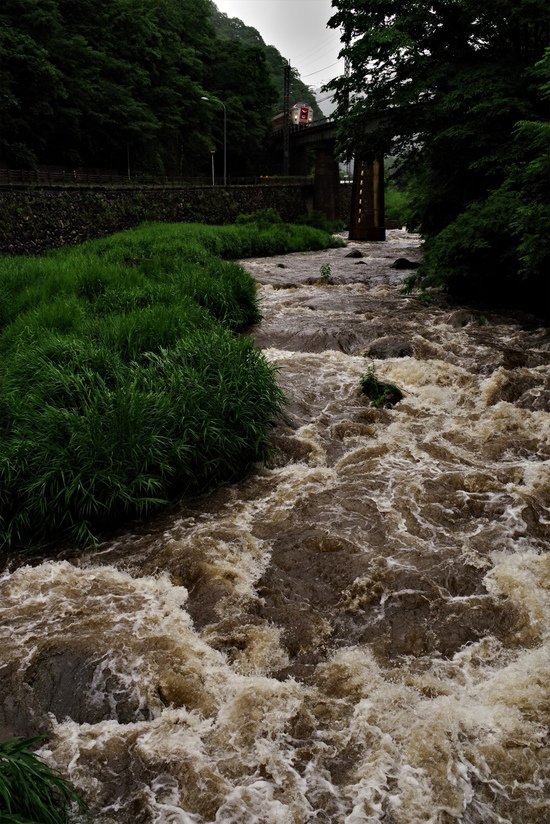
[
  {"x": 122, "y": 381},
  {"x": 31, "y": 792}
]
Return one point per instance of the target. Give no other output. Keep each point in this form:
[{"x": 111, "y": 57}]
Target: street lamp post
[
  {"x": 213, "y": 152},
  {"x": 224, "y": 136}
]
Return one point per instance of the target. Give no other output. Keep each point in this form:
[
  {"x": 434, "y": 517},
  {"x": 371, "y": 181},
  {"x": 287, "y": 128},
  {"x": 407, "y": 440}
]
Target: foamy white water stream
[{"x": 359, "y": 633}]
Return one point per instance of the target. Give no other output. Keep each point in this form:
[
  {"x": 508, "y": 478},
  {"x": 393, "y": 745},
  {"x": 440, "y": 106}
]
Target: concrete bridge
[{"x": 367, "y": 218}]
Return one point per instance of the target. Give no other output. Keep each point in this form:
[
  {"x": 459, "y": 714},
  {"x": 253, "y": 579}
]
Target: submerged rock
[
  {"x": 464, "y": 317},
  {"x": 74, "y": 680},
  {"x": 390, "y": 346},
  {"x": 403, "y": 263}
]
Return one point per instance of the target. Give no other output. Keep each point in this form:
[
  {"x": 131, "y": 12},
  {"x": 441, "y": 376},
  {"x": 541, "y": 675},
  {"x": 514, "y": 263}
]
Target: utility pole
[
  {"x": 347, "y": 72},
  {"x": 347, "y": 63},
  {"x": 286, "y": 121}
]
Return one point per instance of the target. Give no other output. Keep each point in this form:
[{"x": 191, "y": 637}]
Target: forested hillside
[
  {"x": 231, "y": 28},
  {"x": 121, "y": 84}
]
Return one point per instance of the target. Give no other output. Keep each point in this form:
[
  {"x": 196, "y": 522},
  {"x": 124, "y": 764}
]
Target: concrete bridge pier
[
  {"x": 367, "y": 220},
  {"x": 326, "y": 185}
]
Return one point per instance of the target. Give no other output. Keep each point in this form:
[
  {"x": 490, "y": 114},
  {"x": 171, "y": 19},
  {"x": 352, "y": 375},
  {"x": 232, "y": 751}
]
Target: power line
[
  {"x": 319, "y": 45},
  {"x": 324, "y": 48},
  {"x": 316, "y": 59},
  {"x": 328, "y": 37},
  {"x": 320, "y": 70}
]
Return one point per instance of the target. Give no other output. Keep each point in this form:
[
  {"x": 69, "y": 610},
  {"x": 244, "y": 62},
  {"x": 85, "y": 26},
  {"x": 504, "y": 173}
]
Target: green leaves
[
  {"x": 231, "y": 28},
  {"x": 94, "y": 84},
  {"x": 31, "y": 85},
  {"x": 31, "y": 792}
]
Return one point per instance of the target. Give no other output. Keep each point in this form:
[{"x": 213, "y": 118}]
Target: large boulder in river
[
  {"x": 403, "y": 263},
  {"x": 74, "y": 679},
  {"x": 389, "y": 347}
]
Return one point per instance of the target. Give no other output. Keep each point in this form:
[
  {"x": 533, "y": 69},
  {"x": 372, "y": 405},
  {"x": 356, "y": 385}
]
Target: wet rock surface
[
  {"x": 72, "y": 683},
  {"x": 390, "y": 347}
]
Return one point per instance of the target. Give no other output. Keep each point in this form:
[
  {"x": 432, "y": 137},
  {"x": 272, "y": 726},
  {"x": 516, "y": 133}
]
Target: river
[{"x": 358, "y": 633}]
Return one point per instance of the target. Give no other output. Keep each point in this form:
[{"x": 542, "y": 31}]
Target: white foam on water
[{"x": 449, "y": 492}]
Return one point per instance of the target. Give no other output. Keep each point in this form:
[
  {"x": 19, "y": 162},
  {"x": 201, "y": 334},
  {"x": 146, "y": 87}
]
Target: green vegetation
[
  {"x": 31, "y": 792},
  {"x": 318, "y": 220},
  {"x": 326, "y": 273},
  {"x": 122, "y": 382},
  {"x": 231, "y": 28},
  {"x": 380, "y": 394},
  {"x": 263, "y": 218},
  {"x": 397, "y": 205},
  {"x": 119, "y": 85},
  {"x": 464, "y": 92}
]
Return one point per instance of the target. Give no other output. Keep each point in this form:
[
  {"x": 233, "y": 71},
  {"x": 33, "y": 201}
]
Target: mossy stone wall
[{"x": 33, "y": 220}]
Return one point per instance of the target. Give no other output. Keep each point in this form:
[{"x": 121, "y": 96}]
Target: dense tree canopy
[
  {"x": 231, "y": 28},
  {"x": 240, "y": 78},
  {"x": 92, "y": 83},
  {"x": 459, "y": 87}
]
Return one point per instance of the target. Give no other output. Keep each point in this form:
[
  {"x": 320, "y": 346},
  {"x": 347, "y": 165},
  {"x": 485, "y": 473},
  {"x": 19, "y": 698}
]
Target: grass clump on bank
[
  {"x": 31, "y": 792},
  {"x": 122, "y": 381}
]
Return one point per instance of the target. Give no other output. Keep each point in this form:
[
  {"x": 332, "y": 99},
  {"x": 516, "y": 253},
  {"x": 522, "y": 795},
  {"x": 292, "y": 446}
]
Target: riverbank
[{"x": 123, "y": 383}]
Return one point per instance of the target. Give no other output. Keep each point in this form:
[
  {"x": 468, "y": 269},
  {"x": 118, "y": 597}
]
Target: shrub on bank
[
  {"x": 122, "y": 383},
  {"x": 318, "y": 220},
  {"x": 397, "y": 205}
]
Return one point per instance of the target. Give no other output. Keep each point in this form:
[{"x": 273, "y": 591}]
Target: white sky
[{"x": 298, "y": 29}]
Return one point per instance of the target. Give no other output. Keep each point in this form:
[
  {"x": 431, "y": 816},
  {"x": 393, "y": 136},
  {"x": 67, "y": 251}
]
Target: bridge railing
[{"x": 24, "y": 178}]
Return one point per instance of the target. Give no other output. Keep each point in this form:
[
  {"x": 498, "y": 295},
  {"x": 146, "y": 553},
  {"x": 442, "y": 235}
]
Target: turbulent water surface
[{"x": 359, "y": 633}]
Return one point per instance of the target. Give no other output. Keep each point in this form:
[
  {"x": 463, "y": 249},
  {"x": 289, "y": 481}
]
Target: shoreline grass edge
[{"x": 123, "y": 382}]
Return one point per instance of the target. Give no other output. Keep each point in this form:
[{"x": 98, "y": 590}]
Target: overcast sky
[{"x": 298, "y": 29}]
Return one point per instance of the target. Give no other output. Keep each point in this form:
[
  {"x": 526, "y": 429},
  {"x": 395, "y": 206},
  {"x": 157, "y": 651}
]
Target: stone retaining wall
[{"x": 33, "y": 220}]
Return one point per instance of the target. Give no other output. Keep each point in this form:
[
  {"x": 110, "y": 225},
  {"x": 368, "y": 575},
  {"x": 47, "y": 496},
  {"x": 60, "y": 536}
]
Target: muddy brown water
[{"x": 359, "y": 633}]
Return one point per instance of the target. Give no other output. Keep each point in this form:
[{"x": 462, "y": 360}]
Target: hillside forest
[{"x": 121, "y": 83}]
